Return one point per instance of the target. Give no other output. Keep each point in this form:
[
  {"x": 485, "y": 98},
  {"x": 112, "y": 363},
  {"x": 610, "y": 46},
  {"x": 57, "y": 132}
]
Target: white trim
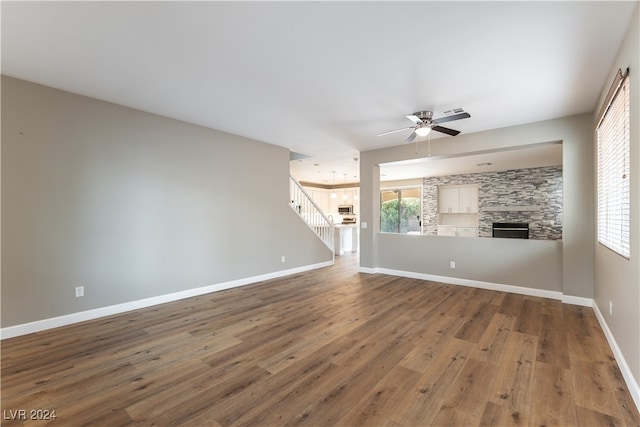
[
  {"x": 475, "y": 283},
  {"x": 522, "y": 290},
  {"x": 632, "y": 384},
  {"x": 68, "y": 319},
  {"x": 570, "y": 299}
]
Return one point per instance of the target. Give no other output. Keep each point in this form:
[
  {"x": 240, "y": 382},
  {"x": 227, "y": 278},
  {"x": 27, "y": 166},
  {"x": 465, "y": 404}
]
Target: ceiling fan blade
[
  {"x": 414, "y": 119},
  {"x": 411, "y": 138},
  {"x": 451, "y": 118},
  {"x": 394, "y": 131},
  {"x": 448, "y": 131}
]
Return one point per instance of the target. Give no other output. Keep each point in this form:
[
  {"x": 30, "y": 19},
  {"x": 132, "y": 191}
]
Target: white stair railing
[{"x": 301, "y": 202}]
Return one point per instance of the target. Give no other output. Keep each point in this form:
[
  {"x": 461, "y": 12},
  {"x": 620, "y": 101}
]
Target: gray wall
[
  {"x": 131, "y": 205},
  {"x": 530, "y": 263},
  {"x": 618, "y": 279},
  {"x": 574, "y": 278}
]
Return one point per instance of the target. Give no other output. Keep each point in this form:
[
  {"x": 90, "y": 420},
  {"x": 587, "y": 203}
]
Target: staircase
[{"x": 310, "y": 212}]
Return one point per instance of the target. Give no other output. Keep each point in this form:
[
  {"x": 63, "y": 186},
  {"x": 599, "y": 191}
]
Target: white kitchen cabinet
[
  {"x": 449, "y": 200},
  {"x": 447, "y": 230},
  {"x": 458, "y": 199},
  {"x": 345, "y": 238},
  {"x": 467, "y": 232},
  {"x": 455, "y": 231},
  {"x": 468, "y": 199},
  {"x": 321, "y": 197}
]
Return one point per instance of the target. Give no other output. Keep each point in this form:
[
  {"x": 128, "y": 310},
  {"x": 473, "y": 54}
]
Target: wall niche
[{"x": 531, "y": 195}]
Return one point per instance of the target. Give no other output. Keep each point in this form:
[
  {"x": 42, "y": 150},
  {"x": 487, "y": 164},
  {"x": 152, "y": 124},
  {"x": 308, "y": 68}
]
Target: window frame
[
  {"x": 613, "y": 169},
  {"x": 399, "y": 190}
]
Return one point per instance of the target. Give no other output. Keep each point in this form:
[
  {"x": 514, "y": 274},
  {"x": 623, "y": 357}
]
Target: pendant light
[
  {"x": 333, "y": 187},
  {"x": 355, "y": 196}
]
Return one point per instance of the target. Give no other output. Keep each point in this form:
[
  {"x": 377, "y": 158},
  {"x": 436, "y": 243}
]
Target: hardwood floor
[{"x": 324, "y": 348}]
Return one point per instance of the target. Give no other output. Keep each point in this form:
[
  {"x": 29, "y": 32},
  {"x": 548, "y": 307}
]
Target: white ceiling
[
  {"x": 322, "y": 78},
  {"x": 517, "y": 157}
]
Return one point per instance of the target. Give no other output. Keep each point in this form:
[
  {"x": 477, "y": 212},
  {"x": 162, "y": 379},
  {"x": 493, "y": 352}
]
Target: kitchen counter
[{"x": 343, "y": 240}]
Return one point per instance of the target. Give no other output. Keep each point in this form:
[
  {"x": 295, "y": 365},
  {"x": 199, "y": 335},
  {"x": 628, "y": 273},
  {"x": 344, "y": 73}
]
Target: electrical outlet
[
  {"x": 283, "y": 259},
  {"x": 452, "y": 264},
  {"x": 79, "y": 291},
  {"x": 363, "y": 224}
]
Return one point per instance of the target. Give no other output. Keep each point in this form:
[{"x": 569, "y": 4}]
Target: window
[
  {"x": 400, "y": 210},
  {"x": 612, "y": 135}
]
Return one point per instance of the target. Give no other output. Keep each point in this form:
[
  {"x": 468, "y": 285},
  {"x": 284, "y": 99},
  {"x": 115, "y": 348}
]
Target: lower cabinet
[
  {"x": 454, "y": 231},
  {"x": 447, "y": 230},
  {"x": 467, "y": 232}
]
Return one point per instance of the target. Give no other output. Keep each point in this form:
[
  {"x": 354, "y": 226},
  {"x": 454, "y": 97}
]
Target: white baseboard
[
  {"x": 55, "y": 322},
  {"x": 367, "y": 270},
  {"x": 478, "y": 284},
  {"x": 522, "y": 290},
  {"x": 570, "y": 299},
  {"x": 632, "y": 384}
]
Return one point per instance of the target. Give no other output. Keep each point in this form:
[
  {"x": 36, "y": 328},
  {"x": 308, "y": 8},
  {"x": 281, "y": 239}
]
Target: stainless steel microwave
[{"x": 345, "y": 209}]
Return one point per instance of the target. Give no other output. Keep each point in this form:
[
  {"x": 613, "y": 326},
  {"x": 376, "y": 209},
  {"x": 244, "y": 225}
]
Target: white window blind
[{"x": 613, "y": 169}]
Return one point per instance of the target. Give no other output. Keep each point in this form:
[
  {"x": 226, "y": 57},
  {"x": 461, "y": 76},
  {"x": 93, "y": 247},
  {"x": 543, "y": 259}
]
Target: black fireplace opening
[{"x": 511, "y": 230}]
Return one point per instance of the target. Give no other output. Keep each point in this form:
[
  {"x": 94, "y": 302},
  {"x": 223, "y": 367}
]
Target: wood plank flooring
[{"x": 331, "y": 347}]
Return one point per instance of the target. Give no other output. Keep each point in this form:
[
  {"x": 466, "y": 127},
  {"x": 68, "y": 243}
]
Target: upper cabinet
[
  {"x": 458, "y": 199},
  {"x": 448, "y": 200},
  {"x": 468, "y": 199}
]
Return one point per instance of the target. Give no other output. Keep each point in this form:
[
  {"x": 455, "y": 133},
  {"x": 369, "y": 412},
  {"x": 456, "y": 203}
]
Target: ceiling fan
[{"x": 424, "y": 124}]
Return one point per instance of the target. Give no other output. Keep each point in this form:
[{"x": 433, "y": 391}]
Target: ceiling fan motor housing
[{"x": 424, "y": 115}]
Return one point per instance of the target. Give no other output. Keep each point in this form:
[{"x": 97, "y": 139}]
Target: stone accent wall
[{"x": 531, "y": 195}]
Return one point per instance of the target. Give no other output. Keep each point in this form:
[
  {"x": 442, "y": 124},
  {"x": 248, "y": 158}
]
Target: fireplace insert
[{"x": 511, "y": 230}]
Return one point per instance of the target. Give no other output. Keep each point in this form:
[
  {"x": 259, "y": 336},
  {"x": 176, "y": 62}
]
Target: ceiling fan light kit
[
  {"x": 424, "y": 124},
  {"x": 423, "y": 131}
]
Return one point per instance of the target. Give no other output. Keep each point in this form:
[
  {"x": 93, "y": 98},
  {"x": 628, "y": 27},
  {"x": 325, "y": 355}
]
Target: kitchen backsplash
[{"x": 523, "y": 195}]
